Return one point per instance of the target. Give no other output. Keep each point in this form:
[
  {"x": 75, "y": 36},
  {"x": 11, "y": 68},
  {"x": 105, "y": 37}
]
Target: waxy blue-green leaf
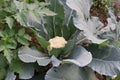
[
  {"x": 81, "y": 7},
  {"x": 106, "y": 60},
  {"x": 79, "y": 56},
  {"x": 30, "y": 55},
  {"x": 55, "y": 62},
  {"x": 66, "y": 72},
  {"x": 10, "y": 76},
  {"x": 82, "y": 20},
  {"x": 27, "y": 71}
]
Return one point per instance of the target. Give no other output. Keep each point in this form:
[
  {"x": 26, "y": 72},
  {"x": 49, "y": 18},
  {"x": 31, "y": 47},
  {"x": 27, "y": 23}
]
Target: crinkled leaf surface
[
  {"x": 79, "y": 56},
  {"x": 10, "y": 76},
  {"x": 27, "y": 72},
  {"x": 82, "y": 21},
  {"x": 66, "y": 72},
  {"x": 106, "y": 60},
  {"x": 29, "y": 55}
]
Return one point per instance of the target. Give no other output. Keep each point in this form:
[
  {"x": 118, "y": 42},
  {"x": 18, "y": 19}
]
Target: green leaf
[
  {"x": 56, "y": 8},
  {"x": 116, "y": 43},
  {"x": 9, "y": 32},
  {"x": 8, "y": 54},
  {"x": 44, "y": 43},
  {"x": 117, "y": 77},
  {"x": 35, "y": 16},
  {"x": 68, "y": 47},
  {"x": 3, "y": 61},
  {"x": 16, "y": 66},
  {"x": 22, "y": 40},
  {"x": 9, "y": 21},
  {"x": 21, "y": 32},
  {"x": 21, "y": 18},
  {"x": 55, "y": 51},
  {"x": 1, "y": 34},
  {"x": 1, "y": 47},
  {"x": 47, "y": 12},
  {"x": 2, "y": 73},
  {"x": 26, "y": 36},
  {"x": 11, "y": 44}
]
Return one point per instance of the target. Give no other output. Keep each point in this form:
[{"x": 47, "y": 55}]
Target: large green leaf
[
  {"x": 66, "y": 72},
  {"x": 79, "y": 56},
  {"x": 106, "y": 60},
  {"x": 30, "y": 55}
]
